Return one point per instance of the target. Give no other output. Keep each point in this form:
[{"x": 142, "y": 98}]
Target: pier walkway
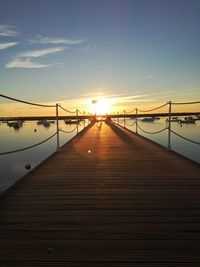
[{"x": 109, "y": 198}]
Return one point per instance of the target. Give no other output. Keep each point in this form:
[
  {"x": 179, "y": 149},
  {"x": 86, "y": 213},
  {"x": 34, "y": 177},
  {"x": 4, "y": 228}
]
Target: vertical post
[
  {"x": 118, "y": 118},
  {"x": 89, "y": 118},
  {"x": 77, "y": 121},
  {"x": 84, "y": 118},
  {"x": 136, "y": 120},
  {"x": 57, "y": 128},
  {"x": 169, "y": 125},
  {"x": 124, "y": 119}
]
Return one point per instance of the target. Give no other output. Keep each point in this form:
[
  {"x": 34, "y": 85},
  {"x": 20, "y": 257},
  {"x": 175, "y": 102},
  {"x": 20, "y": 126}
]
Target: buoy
[{"x": 28, "y": 166}]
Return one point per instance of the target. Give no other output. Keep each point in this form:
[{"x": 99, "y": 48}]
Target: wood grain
[{"x": 109, "y": 198}]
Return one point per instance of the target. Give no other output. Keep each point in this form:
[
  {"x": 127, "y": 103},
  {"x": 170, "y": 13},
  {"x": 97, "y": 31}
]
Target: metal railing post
[
  {"x": 77, "y": 120},
  {"x": 169, "y": 125},
  {"x": 84, "y": 118},
  {"x": 57, "y": 128},
  {"x": 136, "y": 121},
  {"x": 124, "y": 119}
]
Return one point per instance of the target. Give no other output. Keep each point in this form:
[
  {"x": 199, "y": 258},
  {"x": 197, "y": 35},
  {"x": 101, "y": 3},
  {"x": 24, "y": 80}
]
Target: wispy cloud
[
  {"x": 114, "y": 98},
  {"x": 26, "y": 64},
  {"x": 24, "y": 59},
  {"x": 50, "y": 40},
  {"x": 7, "y": 45},
  {"x": 90, "y": 94},
  {"x": 8, "y": 30},
  {"x": 41, "y": 52},
  {"x": 131, "y": 99}
]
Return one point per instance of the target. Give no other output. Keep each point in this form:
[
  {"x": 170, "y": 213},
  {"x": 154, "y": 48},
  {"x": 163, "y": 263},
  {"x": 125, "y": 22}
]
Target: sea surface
[
  {"x": 178, "y": 144},
  {"x": 12, "y": 166}
]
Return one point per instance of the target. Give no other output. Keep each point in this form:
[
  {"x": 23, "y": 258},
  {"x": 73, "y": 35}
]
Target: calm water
[
  {"x": 190, "y": 131},
  {"x": 13, "y": 165}
]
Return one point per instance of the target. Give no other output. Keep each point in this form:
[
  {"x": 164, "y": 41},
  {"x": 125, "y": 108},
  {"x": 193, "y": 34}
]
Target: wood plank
[{"x": 129, "y": 202}]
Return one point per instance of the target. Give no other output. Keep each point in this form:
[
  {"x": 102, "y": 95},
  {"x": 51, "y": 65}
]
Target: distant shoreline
[{"x": 34, "y": 118}]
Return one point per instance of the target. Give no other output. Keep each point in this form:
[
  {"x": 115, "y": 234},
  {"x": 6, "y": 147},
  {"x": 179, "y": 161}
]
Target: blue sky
[{"x": 137, "y": 51}]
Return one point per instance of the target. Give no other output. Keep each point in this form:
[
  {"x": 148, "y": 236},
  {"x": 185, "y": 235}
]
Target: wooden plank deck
[{"x": 127, "y": 203}]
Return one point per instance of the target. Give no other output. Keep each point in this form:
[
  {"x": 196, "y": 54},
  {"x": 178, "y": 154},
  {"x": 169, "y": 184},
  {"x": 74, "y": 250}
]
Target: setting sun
[{"x": 99, "y": 106}]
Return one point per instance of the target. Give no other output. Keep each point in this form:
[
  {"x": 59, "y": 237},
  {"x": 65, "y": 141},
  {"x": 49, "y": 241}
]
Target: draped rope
[
  {"x": 130, "y": 124},
  {"x": 149, "y": 110},
  {"x": 160, "y": 131},
  {"x": 26, "y": 102},
  {"x": 131, "y": 111},
  {"x": 22, "y": 149},
  {"x": 69, "y": 111},
  {"x": 185, "y": 103},
  {"x": 185, "y": 138},
  {"x": 61, "y": 130}
]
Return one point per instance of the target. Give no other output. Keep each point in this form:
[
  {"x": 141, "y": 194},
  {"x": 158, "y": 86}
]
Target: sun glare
[{"x": 99, "y": 106}]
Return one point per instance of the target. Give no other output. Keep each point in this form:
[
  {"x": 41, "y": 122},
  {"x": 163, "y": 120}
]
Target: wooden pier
[{"x": 108, "y": 198}]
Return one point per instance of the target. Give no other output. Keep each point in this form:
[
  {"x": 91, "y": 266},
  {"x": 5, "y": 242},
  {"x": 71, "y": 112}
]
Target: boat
[
  {"x": 15, "y": 124},
  {"x": 148, "y": 119},
  {"x": 43, "y": 122},
  {"x": 46, "y": 124},
  {"x": 173, "y": 120},
  {"x": 188, "y": 120},
  {"x": 40, "y": 122},
  {"x": 72, "y": 121},
  {"x": 10, "y": 123}
]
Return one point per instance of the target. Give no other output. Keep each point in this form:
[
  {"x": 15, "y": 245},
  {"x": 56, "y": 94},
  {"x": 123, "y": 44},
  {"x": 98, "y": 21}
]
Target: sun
[{"x": 99, "y": 106}]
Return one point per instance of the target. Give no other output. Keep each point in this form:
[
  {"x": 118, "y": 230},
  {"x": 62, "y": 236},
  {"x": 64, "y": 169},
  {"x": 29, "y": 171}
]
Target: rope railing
[
  {"x": 131, "y": 111},
  {"x": 130, "y": 125},
  {"x": 168, "y": 125},
  {"x": 56, "y": 106},
  {"x": 149, "y": 110},
  {"x": 125, "y": 123},
  {"x": 32, "y": 146},
  {"x": 26, "y": 102},
  {"x": 185, "y": 138},
  {"x": 185, "y": 103},
  {"x": 160, "y": 131},
  {"x": 61, "y": 130},
  {"x": 68, "y": 111}
]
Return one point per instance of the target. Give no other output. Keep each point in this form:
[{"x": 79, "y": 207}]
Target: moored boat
[
  {"x": 72, "y": 121},
  {"x": 148, "y": 119},
  {"x": 43, "y": 122},
  {"x": 173, "y": 120},
  {"x": 188, "y": 120},
  {"x": 15, "y": 124}
]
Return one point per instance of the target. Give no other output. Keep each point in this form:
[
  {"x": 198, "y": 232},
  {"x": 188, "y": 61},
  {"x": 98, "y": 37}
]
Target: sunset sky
[{"x": 130, "y": 52}]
